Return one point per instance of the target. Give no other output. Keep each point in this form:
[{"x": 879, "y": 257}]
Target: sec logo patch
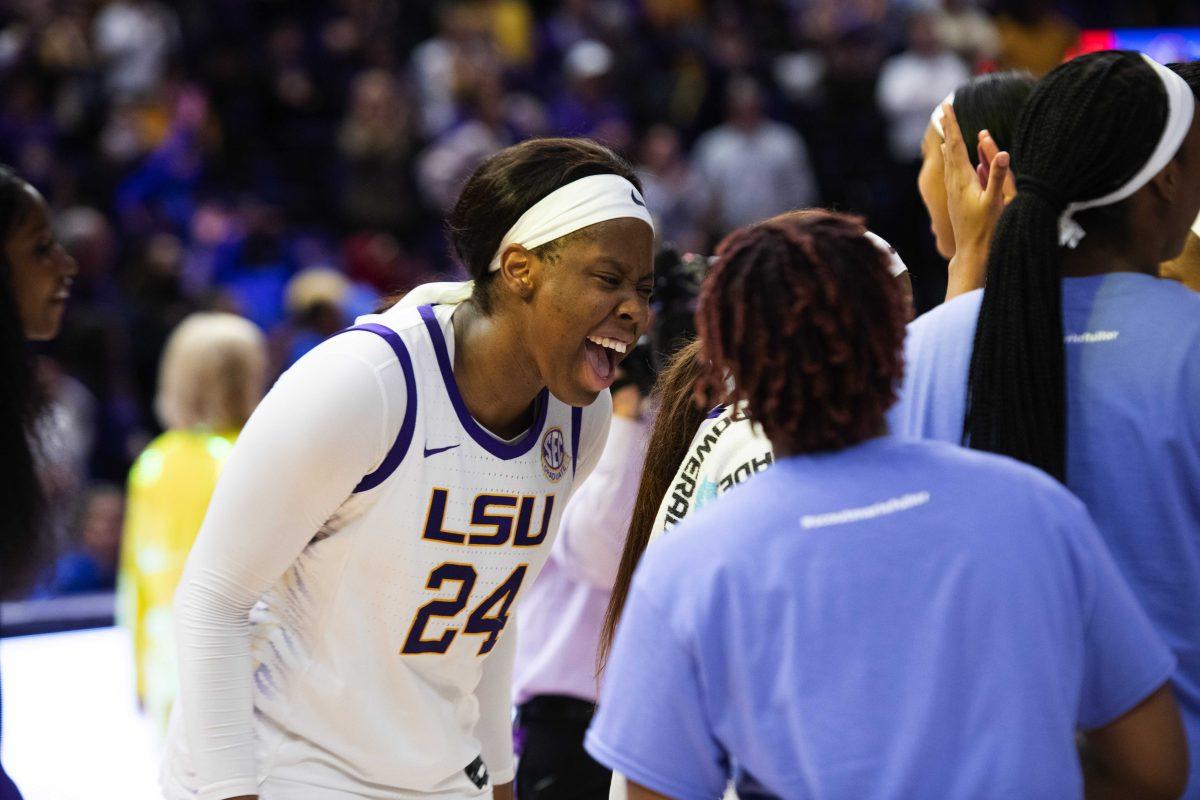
[{"x": 554, "y": 454}]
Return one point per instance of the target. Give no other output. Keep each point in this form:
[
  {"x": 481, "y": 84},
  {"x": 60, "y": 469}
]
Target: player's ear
[{"x": 518, "y": 268}]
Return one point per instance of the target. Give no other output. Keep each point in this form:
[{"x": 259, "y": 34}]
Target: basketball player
[
  {"x": 1185, "y": 267},
  {"x": 36, "y": 274},
  {"x": 343, "y": 621},
  {"x": 1076, "y": 358},
  {"x": 725, "y": 449},
  {"x": 872, "y": 617},
  {"x": 965, "y": 176}
]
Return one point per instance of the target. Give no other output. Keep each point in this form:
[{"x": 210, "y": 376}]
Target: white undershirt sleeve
[
  {"x": 494, "y": 693},
  {"x": 322, "y": 427},
  {"x": 596, "y": 421},
  {"x": 596, "y": 520}
]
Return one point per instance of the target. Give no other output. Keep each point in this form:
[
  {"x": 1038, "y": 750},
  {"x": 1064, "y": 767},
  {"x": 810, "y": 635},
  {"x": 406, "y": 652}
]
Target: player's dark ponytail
[
  {"x": 21, "y": 497},
  {"x": 991, "y": 102},
  {"x": 1085, "y": 130},
  {"x": 675, "y": 424},
  {"x": 507, "y": 184}
]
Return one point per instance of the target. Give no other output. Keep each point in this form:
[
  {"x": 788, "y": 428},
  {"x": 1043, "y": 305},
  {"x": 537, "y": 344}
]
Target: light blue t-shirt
[
  {"x": 900, "y": 619},
  {"x": 1132, "y": 345}
]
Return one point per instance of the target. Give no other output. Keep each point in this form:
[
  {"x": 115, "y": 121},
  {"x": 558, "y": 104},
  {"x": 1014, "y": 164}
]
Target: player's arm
[
  {"x": 638, "y": 792},
  {"x": 319, "y": 430},
  {"x": 503, "y": 792},
  {"x": 595, "y": 521},
  {"x": 494, "y": 694},
  {"x": 1142, "y": 754},
  {"x": 1134, "y": 744}
]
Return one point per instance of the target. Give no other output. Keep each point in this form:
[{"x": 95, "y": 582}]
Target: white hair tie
[
  {"x": 587, "y": 201},
  {"x": 1181, "y": 105}
]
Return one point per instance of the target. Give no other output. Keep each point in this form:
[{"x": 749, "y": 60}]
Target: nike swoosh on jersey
[{"x": 434, "y": 451}]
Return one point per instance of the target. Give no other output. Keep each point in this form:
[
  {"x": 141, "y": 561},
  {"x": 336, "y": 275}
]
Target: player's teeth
[{"x": 610, "y": 344}]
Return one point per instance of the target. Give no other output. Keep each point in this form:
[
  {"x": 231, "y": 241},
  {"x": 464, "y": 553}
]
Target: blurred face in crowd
[
  {"x": 41, "y": 270},
  {"x": 101, "y": 525},
  {"x": 931, "y": 185},
  {"x": 660, "y": 148}
]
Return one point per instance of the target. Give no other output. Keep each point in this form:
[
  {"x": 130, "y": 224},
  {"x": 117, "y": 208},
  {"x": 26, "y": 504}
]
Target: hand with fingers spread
[
  {"x": 987, "y": 150},
  {"x": 974, "y": 199}
]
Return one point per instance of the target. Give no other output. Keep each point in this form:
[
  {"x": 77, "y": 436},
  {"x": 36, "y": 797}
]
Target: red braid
[{"x": 802, "y": 313}]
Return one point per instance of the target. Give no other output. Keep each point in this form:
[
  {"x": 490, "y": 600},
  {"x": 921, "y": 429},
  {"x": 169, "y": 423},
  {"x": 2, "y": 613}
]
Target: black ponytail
[
  {"x": 21, "y": 498},
  {"x": 1085, "y": 130}
]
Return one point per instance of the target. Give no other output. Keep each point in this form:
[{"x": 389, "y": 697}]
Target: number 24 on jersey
[{"x": 490, "y": 616}]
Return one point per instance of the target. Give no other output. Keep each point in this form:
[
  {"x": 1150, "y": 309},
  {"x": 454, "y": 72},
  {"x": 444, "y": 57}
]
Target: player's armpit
[{"x": 638, "y": 792}]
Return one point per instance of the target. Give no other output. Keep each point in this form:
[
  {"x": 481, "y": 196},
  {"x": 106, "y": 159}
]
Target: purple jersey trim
[
  {"x": 482, "y": 438},
  {"x": 716, "y": 412},
  {"x": 576, "y": 429},
  {"x": 396, "y": 454}
]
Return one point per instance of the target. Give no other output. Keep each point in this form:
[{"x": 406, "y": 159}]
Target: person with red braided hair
[{"x": 872, "y": 617}]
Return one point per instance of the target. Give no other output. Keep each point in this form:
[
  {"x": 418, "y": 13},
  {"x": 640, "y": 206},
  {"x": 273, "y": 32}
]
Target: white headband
[
  {"x": 935, "y": 119},
  {"x": 895, "y": 263},
  {"x": 587, "y": 201},
  {"x": 1181, "y": 105},
  {"x": 1196, "y": 226}
]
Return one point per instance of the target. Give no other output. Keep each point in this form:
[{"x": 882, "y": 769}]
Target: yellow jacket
[{"x": 169, "y": 488}]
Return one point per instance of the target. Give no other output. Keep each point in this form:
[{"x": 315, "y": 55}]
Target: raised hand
[{"x": 974, "y": 200}]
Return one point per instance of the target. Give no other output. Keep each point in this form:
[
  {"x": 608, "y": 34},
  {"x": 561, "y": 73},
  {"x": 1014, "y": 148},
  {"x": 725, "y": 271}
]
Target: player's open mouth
[{"x": 602, "y": 354}]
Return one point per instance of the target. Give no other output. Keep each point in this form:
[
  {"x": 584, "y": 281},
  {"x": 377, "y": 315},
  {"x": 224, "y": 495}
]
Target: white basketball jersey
[
  {"x": 727, "y": 449},
  {"x": 368, "y": 650}
]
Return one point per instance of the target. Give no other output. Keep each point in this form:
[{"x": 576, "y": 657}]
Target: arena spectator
[
  {"x": 914, "y": 82},
  {"x": 755, "y": 167},
  {"x": 376, "y": 144},
  {"x": 676, "y": 194},
  {"x": 212, "y": 375}
]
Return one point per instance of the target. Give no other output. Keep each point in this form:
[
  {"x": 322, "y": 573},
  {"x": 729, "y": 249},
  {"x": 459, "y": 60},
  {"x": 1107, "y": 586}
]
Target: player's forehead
[{"x": 625, "y": 245}]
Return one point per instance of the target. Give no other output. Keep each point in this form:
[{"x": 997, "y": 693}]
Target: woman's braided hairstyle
[
  {"x": 1086, "y": 129},
  {"x": 802, "y": 313}
]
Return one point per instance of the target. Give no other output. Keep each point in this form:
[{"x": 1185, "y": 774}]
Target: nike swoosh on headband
[{"x": 633, "y": 196}]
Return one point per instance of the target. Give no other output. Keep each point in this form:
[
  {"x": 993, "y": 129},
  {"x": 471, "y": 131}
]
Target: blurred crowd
[{"x": 291, "y": 162}]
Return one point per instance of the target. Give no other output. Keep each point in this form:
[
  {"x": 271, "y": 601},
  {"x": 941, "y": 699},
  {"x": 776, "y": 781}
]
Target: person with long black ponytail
[
  {"x": 872, "y": 618},
  {"x": 1076, "y": 358},
  {"x": 35, "y": 282}
]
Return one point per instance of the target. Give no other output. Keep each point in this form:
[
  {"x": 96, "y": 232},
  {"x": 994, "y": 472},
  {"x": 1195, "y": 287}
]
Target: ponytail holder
[{"x": 1181, "y": 105}]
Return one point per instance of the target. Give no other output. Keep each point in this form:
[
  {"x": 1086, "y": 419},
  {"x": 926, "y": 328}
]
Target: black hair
[
  {"x": 22, "y": 501},
  {"x": 991, "y": 102},
  {"x": 1087, "y": 127},
  {"x": 1190, "y": 72},
  {"x": 507, "y": 184}
]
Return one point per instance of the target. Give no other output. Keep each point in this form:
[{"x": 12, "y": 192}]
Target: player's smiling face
[{"x": 592, "y": 302}]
